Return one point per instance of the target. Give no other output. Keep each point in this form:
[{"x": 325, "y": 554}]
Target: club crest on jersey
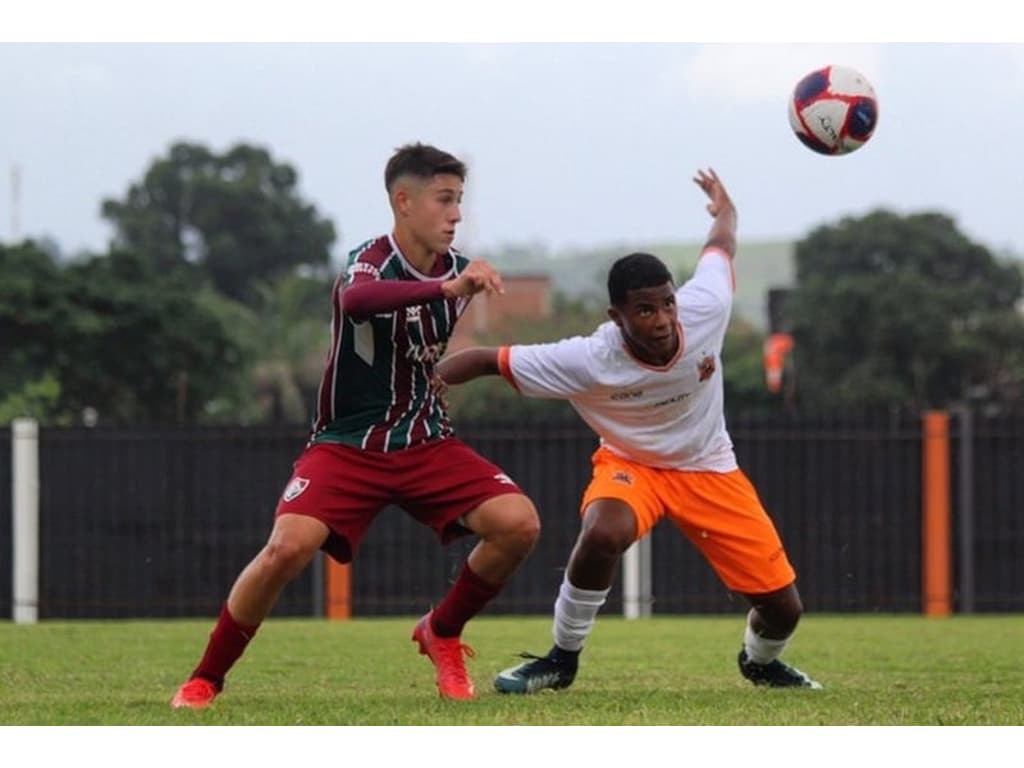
[
  {"x": 623, "y": 477},
  {"x": 705, "y": 367},
  {"x": 295, "y": 488}
]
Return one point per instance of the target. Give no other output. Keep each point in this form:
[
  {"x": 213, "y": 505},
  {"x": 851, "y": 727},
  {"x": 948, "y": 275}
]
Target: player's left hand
[
  {"x": 478, "y": 276},
  {"x": 714, "y": 189}
]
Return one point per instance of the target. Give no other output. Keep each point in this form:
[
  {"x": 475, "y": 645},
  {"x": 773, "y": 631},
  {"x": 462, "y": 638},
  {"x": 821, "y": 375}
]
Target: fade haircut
[
  {"x": 421, "y": 161},
  {"x": 637, "y": 270}
]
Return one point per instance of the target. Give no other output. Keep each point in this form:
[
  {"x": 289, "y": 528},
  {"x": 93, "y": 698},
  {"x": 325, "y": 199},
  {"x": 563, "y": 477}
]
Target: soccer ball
[{"x": 833, "y": 110}]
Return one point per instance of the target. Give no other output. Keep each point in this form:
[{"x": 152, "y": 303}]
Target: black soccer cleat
[
  {"x": 775, "y": 674},
  {"x": 556, "y": 670}
]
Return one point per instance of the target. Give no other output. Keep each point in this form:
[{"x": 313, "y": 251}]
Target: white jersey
[{"x": 668, "y": 416}]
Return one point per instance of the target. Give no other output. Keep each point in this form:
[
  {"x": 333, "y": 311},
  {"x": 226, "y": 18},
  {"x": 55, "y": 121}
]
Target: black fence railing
[
  {"x": 158, "y": 522},
  {"x": 997, "y": 526}
]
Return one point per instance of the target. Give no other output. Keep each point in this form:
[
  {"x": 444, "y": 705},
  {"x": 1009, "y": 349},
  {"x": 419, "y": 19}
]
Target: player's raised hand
[
  {"x": 714, "y": 189},
  {"x": 478, "y": 276}
]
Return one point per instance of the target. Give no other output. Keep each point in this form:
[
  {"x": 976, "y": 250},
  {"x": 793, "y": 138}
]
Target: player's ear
[
  {"x": 401, "y": 199},
  {"x": 615, "y": 316}
]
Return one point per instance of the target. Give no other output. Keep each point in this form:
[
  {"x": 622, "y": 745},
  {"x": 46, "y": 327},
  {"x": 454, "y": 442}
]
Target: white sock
[
  {"x": 575, "y": 612},
  {"x": 761, "y": 650}
]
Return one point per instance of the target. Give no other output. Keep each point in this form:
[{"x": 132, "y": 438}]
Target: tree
[
  {"x": 33, "y": 309},
  {"x": 235, "y": 218},
  {"x": 293, "y": 334},
  {"x": 145, "y": 349},
  {"x": 892, "y": 310},
  {"x": 109, "y": 334}
]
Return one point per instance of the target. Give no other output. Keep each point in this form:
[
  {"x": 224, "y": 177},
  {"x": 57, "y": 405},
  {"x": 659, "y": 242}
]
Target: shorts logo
[
  {"x": 501, "y": 477},
  {"x": 295, "y": 488},
  {"x": 623, "y": 477}
]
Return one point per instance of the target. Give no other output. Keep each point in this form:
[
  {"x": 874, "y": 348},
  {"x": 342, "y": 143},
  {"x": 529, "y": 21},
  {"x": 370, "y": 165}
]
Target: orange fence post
[
  {"x": 339, "y": 589},
  {"x": 936, "y": 581}
]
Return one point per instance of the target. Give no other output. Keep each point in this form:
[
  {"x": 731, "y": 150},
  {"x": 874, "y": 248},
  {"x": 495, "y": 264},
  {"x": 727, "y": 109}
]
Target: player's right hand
[
  {"x": 478, "y": 276},
  {"x": 439, "y": 389}
]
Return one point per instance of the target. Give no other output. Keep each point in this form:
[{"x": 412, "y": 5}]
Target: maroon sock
[
  {"x": 227, "y": 641},
  {"x": 464, "y": 600}
]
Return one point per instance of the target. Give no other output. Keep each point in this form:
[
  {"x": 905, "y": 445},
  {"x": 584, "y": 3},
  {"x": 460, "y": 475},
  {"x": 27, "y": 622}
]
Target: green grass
[{"x": 877, "y": 670}]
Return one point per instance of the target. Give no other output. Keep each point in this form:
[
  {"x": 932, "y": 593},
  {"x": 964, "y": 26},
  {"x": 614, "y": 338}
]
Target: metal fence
[{"x": 158, "y": 522}]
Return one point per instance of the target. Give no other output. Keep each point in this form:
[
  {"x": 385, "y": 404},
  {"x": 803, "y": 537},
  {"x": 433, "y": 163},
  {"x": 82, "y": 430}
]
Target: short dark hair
[
  {"x": 422, "y": 161},
  {"x": 636, "y": 270}
]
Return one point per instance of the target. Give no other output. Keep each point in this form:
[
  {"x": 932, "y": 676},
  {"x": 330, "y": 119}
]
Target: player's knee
[
  {"x": 783, "y": 613},
  {"x": 524, "y": 527},
  {"x": 521, "y": 525},
  {"x": 284, "y": 558},
  {"x": 606, "y": 540}
]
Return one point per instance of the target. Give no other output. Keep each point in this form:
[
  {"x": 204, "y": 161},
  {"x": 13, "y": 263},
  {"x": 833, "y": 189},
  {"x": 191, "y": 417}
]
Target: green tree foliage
[
  {"x": 33, "y": 308},
  {"x": 110, "y": 334},
  {"x": 236, "y": 218},
  {"x": 293, "y": 333},
  {"x": 903, "y": 310},
  {"x": 37, "y": 399}
]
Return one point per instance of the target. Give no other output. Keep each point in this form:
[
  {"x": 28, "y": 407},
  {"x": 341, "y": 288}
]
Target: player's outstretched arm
[
  {"x": 468, "y": 364},
  {"x": 723, "y": 230}
]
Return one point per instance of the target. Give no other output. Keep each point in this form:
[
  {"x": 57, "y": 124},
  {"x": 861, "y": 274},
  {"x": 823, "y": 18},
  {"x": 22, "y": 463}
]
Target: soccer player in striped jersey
[
  {"x": 381, "y": 435},
  {"x": 649, "y": 383}
]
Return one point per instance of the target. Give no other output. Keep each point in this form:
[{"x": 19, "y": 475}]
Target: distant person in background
[
  {"x": 650, "y": 384},
  {"x": 381, "y": 436}
]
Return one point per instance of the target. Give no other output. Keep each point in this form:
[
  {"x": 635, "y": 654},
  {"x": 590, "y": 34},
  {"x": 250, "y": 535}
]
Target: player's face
[
  {"x": 434, "y": 208},
  {"x": 649, "y": 323}
]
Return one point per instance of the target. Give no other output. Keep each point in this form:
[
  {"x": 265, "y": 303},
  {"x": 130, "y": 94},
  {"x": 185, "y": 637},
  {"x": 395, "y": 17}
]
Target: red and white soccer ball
[{"x": 833, "y": 110}]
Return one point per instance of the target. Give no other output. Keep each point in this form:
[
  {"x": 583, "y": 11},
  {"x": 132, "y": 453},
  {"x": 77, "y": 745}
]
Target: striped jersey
[
  {"x": 668, "y": 416},
  {"x": 375, "y": 392}
]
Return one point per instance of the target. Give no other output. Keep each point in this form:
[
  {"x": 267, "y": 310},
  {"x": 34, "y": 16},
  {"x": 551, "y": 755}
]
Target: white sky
[{"x": 569, "y": 144}]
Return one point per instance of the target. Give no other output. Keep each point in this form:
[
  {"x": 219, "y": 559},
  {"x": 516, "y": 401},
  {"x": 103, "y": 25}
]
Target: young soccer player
[
  {"x": 649, "y": 382},
  {"x": 380, "y": 435}
]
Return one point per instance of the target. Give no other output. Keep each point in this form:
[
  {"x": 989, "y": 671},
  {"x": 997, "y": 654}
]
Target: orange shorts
[{"x": 718, "y": 511}]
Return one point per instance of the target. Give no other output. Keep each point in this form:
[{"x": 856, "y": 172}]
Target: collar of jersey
[
  {"x": 415, "y": 272},
  {"x": 666, "y": 366}
]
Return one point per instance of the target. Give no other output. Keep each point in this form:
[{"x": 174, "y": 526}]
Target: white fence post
[
  {"x": 636, "y": 580},
  {"x": 25, "y": 519}
]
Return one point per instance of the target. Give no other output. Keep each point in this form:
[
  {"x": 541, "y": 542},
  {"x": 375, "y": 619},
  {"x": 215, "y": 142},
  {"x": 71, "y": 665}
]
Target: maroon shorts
[{"x": 436, "y": 482}]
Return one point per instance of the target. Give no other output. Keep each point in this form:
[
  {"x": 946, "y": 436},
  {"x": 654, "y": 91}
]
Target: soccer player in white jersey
[{"x": 649, "y": 383}]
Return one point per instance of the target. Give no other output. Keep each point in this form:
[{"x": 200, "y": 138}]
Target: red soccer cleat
[
  {"x": 446, "y": 652},
  {"x": 195, "y": 693}
]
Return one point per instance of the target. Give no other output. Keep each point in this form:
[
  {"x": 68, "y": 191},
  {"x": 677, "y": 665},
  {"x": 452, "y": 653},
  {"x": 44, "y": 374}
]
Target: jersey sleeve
[
  {"x": 712, "y": 286},
  {"x": 364, "y": 292},
  {"x": 555, "y": 371}
]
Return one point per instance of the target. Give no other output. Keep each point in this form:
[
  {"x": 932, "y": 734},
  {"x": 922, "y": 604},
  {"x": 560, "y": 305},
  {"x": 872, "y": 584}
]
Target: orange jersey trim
[
  {"x": 505, "y": 366},
  {"x": 728, "y": 259}
]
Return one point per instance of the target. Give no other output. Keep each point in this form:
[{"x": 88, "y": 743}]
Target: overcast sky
[{"x": 569, "y": 145}]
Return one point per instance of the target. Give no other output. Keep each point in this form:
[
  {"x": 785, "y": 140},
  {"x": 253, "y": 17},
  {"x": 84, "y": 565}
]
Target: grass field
[{"x": 877, "y": 670}]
